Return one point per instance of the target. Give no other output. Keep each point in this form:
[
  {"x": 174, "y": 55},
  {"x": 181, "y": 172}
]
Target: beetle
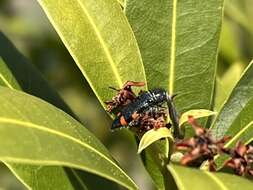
[
  {"x": 153, "y": 118},
  {"x": 142, "y": 103},
  {"x": 124, "y": 96}
]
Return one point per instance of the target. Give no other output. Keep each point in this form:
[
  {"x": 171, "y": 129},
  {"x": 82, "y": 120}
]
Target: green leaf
[
  {"x": 226, "y": 83},
  {"x": 236, "y": 116},
  {"x": 153, "y": 135},
  {"x": 37, "y": 177},
  {"x": 188, "y": 179},
  {"x": 100, "y": 41},
  {"x": 155, "y": 158},
  {"x": 44, "y": 135},
  {"x": 153, "y": 169},
  {"x": 198, "y": 113},
  {"x": 178, "y": 41},
  {"x": 6, "y": 77},
  {"x": 11, "y": 76},
  {"x": 240, "y": 130},
  {"x": 239, "y": 99}
]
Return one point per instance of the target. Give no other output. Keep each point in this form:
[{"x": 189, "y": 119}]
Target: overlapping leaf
[
  {"x": 26, "y": 173},
  {"x": 11, "y": 76},
  {"x": 188, "y": 179},
  {"x": 230, "y": 120},
  {"x": 236, "y": 116},
  {"x": 178, "y": 41},
  {"x": 42, "y": 177},
  {"x": 21, "y": 74},
  {"x": 152, "y": 136},
  {"x": 198, "y": 113},
  {"x": 100, "y": 41},
  {"x": 45, "y": 135},
  {"x": 226, "y": 83}
]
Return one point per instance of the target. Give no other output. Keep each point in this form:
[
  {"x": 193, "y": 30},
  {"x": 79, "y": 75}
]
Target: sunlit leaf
[
  {"x": 198, "y": 113},
  {"x": 240, "y": 97},
  {"x": 187, "y": 179},
  {"x": 153, "y": 135},
  {"x": 236, "y": 116},
  {"x": 11, "y": 76},
  {"x": 44, "y": 135},
  {"x": 42, "y": 177},
  {"x": 178, "y": 41},
  {"x": 226, "y": 83},
  {"x": 100, "y": 41}
]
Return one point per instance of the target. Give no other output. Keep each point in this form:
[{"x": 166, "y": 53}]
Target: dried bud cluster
[
  {"x": 155, "y": 117},
  {"x": 203, "y": 146},
  {"x": 241, "y": 159}
]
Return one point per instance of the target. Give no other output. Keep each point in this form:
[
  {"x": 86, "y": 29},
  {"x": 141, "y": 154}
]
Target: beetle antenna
[
  {"x": 113, "y": 88},
  {"x": 174, "y": 117},
  {"x": 173, "y": 96}
]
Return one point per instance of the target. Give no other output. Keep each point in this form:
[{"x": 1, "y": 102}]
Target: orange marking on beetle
[
  {"x": 135, "y": 115},
  {"x": 123, "y": 121}
]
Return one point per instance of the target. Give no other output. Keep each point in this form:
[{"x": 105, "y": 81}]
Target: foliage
[{"x": 168, "y": 44}]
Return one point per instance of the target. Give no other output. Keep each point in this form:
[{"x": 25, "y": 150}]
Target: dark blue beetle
[{"x": 143, "y": 102}]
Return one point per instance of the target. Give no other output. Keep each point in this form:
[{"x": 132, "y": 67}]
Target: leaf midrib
[
  {"x": 57, "y": 133},
  {"x": 58, "y": 163},
  {"x": 6, "y": 81},
  {"x": 173, "y": 47},
  {"x": 103, "y": 44},
  {"x": 16, "y": 175},
  {"x": 176, "y": 177},
  {"x": 239, "y": 134},
  {"x": 210, "y": 175},
  {"x": 216, "y": 180}
]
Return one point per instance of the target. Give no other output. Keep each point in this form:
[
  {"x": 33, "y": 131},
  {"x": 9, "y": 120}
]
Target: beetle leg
[
  {"x": 174, "y": 118},
  {"x": 128, "y": 84},
  {"x": 114, "y": 88},
  {"x": 173, "y": 96}
]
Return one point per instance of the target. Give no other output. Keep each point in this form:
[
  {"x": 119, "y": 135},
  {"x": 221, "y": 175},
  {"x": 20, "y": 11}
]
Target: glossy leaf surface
[
  {"x": 153, "y": 135},
  {"x": 44, "y": 135},
  {"x": 100, "y": 41},
  {"x": 11, "y": 76},
  {"x": 188, "y": 179},
  {"x": 33, "y": 177},
  {"x": 235, "y": 105},
  {"x": 196, "y": 114},
  {"x": 178, "y": 41},
  {"x": 41, "y": 177}
]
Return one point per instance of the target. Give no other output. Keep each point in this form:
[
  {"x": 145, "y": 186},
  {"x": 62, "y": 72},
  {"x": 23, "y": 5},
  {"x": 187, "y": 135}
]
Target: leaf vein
[
  {"x": 173, "y": 47},
  {"x": 234, "y": 138},
  {"x": 42, "y": 128},
  {"x": 216, "y": 180},
  {"x": 6, "y": 82},
  {"x": 103, "y": 44}
]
